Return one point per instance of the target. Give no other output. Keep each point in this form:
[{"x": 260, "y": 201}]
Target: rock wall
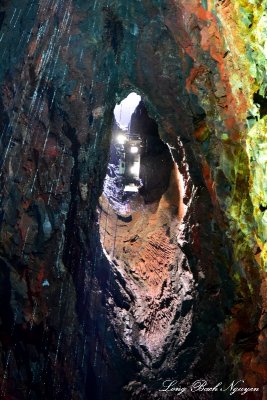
[{"x": 200, "y": 68}]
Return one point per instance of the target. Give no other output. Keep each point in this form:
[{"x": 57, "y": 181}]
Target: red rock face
[
  {"x": 145, "y": 252},
  {"x": 164, "y": 303}
]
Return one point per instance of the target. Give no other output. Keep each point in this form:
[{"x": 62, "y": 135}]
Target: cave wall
[{"x": 199, "y": 67}]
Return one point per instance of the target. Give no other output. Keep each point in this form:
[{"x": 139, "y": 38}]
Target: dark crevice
[
  {"x": 72, "y": 250},
  {"x": 2, "y": 17},
  {"x": 156, "y": 162},
  {"x": 263, "y": 208},
  {"x": 262, "y": 102},
  {"x": 113, "y": 31}
]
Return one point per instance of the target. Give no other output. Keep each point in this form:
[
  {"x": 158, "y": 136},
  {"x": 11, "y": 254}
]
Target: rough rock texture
[
  {"x": 141, "y": 241},
  {"x": 156, "y": 162},
  {"x": 70, "y": 324}
]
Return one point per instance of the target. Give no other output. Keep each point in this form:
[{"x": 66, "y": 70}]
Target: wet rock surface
[{"x": 80, "y": 323}]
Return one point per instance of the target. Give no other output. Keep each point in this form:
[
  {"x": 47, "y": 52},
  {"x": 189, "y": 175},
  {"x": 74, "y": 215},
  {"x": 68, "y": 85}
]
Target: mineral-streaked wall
[{"x": 200, "y": 67}]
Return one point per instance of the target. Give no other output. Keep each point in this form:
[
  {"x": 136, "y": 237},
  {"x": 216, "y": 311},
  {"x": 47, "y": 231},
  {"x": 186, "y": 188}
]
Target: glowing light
[
  {"x": 121, "y": 139},
  {"x": 131, "y": 188},
  {"x": 135, "y": 169},
  {"x": 125, "y": 109},
  {"x": 134, "y": 149}
]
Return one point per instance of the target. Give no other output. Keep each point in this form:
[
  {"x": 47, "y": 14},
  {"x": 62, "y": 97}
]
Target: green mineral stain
[{"x": 204, "y": 4}]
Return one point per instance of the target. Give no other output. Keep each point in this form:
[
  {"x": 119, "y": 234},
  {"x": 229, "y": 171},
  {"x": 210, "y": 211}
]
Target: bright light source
[
  {"x": 121, "y": 139},
  {"x": 135, "y": 169},
  {"x": 125, "y": 109},
  {"x": 134, "y": 149},
  {"x": 131, "y": 188}
]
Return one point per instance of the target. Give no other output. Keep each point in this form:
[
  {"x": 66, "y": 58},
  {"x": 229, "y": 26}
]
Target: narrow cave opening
[
  {"x": 140, "y": 210},
  {"x": 140, "y": 164}
]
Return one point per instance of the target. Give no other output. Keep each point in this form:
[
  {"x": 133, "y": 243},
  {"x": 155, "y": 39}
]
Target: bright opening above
[{"x": 125, "y": 109}]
